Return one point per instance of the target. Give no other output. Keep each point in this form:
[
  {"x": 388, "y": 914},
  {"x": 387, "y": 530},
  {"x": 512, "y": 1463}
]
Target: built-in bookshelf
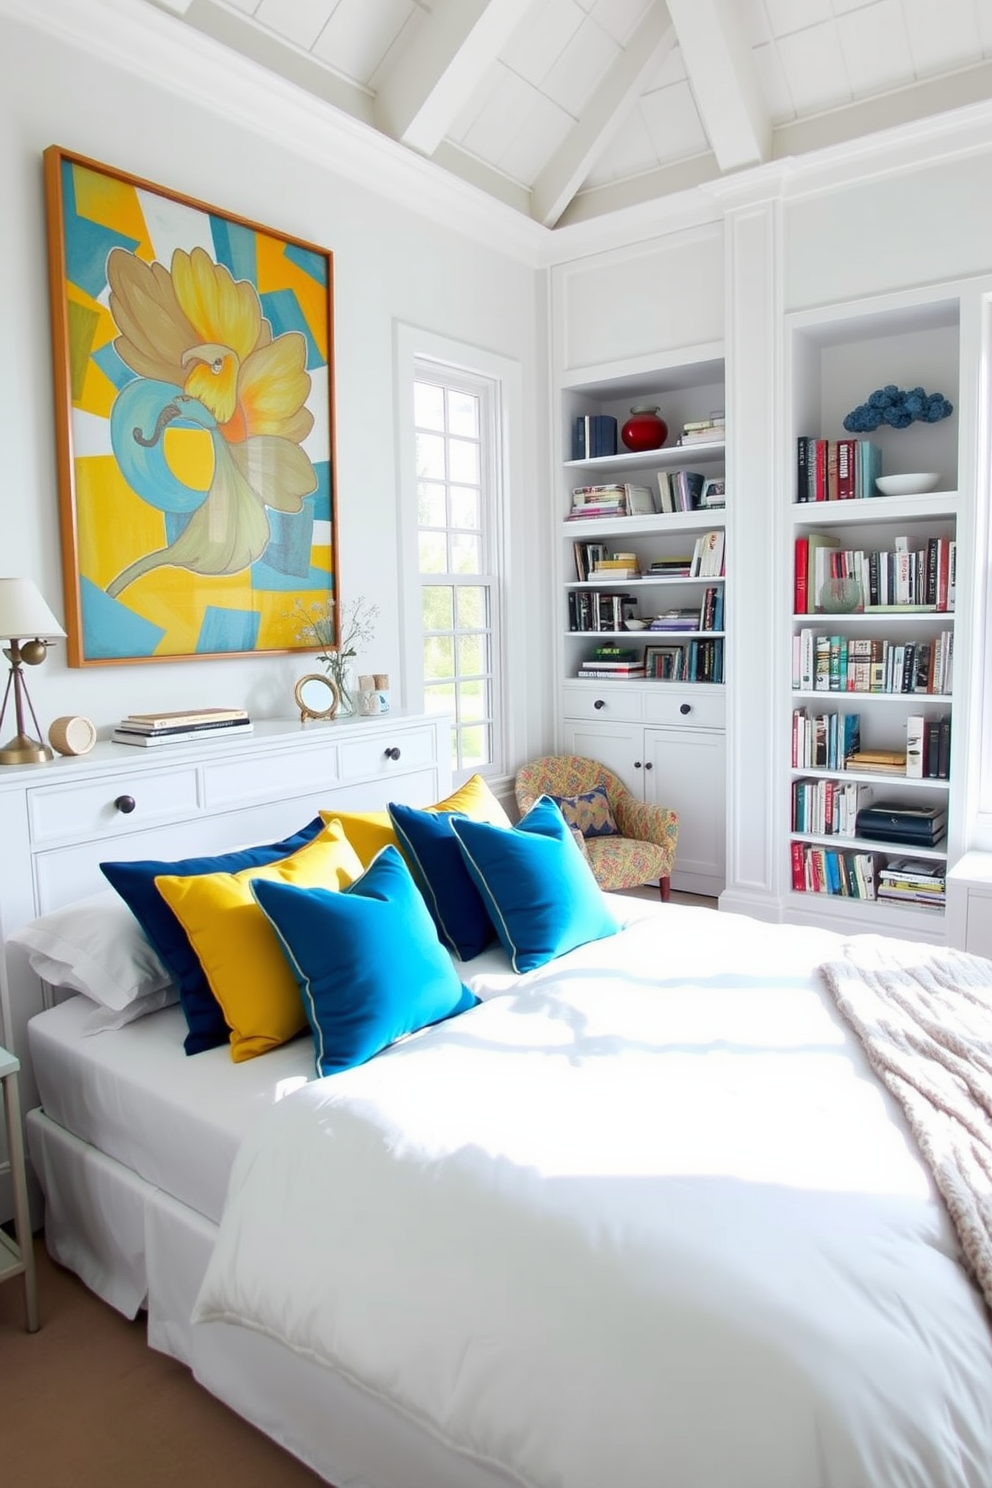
[
  {"x": 868, "y": 740},
  {"x": 643, "y": 558}
]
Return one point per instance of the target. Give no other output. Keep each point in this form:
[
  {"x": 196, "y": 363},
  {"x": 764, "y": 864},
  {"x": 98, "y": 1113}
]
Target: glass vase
[{"x": 343, "y": 677}]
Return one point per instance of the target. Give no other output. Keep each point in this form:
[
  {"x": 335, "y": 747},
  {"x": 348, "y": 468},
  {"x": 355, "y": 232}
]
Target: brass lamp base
[{"x": 22, "y": 750}]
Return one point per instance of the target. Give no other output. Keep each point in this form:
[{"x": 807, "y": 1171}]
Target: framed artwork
[
  {"x": 665, "y": 663},
  {"x": 193, "y": 357}
]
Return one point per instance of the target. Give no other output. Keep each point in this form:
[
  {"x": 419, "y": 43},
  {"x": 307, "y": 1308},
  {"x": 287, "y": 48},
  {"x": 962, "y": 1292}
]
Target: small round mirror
[{"x": 316, "y": 696}]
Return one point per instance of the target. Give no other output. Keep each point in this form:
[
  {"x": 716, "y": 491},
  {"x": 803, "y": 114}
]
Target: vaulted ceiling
[{"x": 567, "y": 110}]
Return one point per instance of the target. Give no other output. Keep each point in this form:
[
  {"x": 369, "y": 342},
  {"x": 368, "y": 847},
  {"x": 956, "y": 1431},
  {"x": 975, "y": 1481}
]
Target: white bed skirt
[{"x": 136, "y": 1247}]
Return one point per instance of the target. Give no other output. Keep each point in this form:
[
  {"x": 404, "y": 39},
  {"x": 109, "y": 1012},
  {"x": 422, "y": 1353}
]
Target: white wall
[{"x": 389, "y": 264}]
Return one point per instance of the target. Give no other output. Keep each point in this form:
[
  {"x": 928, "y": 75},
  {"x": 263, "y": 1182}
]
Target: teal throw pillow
[
  {"x": 432, "y": 850},
  {"x": 538, "y": 888},
  {"x": 367, "y": 960}
]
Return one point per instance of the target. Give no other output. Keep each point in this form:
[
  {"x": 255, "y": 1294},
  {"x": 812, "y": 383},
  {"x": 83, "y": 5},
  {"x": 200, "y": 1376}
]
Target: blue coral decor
[{"x": 897, "y": 408}]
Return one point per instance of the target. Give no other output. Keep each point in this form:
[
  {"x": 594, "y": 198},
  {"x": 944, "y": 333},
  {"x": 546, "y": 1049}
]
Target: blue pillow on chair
[
  {"x": 432, "y": 850},
  {"x": 538, "y": 888},
  {"x": 367, "y": 959},
  {"x": 135, "y": 882}
]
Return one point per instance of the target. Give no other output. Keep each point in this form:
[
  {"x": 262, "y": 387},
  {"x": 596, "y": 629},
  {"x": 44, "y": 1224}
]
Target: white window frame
[{"x": 498, "y": 378}]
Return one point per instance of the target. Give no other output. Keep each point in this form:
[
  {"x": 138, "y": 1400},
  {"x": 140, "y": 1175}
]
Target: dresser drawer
[
  {"x": 608, "y": 702},
  {"x": 391, "y": 752},
  {"x": 695, "y": 707},
  {"x": 77, "y": 809},
  {"x": 238, "y": 782}
]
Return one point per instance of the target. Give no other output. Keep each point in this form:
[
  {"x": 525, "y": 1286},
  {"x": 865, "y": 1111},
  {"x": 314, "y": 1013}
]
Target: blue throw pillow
[
  {"x": 135, "y": 882},
  {"x": 538, "y": 888},
  {"x": 435, "y": 858},
  {"x": 367, "y": 959}
]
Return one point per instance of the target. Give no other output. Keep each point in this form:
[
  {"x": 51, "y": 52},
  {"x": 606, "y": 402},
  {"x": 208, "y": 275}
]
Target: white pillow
[{"x": 95, "y": 946}]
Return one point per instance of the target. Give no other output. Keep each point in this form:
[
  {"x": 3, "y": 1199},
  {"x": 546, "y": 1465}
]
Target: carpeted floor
[{"x": 85, "y": 1403}]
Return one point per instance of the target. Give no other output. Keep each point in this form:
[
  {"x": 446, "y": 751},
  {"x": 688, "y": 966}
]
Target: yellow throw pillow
[
  {"x": 370, "y": 831},
  {"x": 239, "y": 951}
]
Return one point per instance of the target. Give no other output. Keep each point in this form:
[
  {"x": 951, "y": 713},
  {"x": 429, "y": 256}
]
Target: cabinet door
[
  {"x": 618, "y": 746},
  {"x": 688, "y": 772}
]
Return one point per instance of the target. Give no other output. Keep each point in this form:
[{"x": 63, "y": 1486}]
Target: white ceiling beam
[
  {"x": 604, "y": 113},
  {"x": 431, "y": 80},
  {"x": 724, "y": 81}
]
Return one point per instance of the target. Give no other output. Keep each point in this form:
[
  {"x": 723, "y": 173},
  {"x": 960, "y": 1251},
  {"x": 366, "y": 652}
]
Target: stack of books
[
  {"x": 618, "y": 566},
  {"x": 913, "y": 881},
  {"x": 911, "y": 826},
  {"x": 613, "y": 663},
  {"x": 710, "y": 430},
  {"x": 146, "y": 729},
  {"x": 678, "y": 619},
  {"x": 877, "y": 761}
]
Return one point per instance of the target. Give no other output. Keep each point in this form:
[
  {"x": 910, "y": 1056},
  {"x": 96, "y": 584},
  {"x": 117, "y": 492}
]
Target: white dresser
[{"x": 60, "y": 820}]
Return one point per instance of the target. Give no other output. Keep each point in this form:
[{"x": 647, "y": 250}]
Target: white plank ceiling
[{"x": 570, "y": 109}]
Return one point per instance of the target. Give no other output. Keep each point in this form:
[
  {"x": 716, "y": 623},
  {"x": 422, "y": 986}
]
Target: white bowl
[
  {"x": 635, "y": 624},
  {"x": 908, "y": 485}
]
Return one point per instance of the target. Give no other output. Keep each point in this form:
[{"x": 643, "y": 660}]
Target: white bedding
[{"x": 645, "y": 1218}]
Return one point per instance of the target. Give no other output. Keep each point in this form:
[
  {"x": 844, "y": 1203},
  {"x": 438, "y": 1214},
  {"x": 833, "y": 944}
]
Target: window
[{"x": 456, "y": 442}]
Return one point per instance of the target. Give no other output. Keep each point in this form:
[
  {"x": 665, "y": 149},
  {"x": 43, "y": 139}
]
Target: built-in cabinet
[
  {"x": 863, "y": 661},
  {"x": 664, "y": 736}
]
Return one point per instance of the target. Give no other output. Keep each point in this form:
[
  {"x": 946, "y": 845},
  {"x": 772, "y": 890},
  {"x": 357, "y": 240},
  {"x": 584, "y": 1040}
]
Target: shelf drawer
[
  {"x": 697, "y": 707},
  {"x": 370, "y": 759},
  {"x": 609, "y": 702},
  {"x": 75, "y": 810},
  {"x": 235, "y": 782}
]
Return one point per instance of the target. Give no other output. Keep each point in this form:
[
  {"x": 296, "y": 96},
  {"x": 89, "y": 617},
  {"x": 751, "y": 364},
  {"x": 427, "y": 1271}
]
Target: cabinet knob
[
  {"x": 125, "y": 804},
  {"x": 393, "y": 753},
  {"x": 599, "y": 703},
  {"x": 648, "y": 765},
  {"x": 637, "y": 764},
  {"x": 685, "y": 708}
]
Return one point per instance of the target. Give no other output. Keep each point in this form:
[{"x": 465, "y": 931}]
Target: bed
[{"x": 644, "y": 1213}]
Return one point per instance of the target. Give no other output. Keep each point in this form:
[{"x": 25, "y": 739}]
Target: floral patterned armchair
[{"x": 644, "y": 850}]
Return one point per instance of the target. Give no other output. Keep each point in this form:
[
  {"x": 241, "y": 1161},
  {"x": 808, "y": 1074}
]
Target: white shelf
[
  {"x": 661, "y": 524},
  {"x": 937, "y": 854},
  {"x": 875, "y": 509},
  {"x": 881, "y": 777},
  {"x": 669, "y": 457}
]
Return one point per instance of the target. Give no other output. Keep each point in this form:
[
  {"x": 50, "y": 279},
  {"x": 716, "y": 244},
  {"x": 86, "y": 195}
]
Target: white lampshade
[{"x": 24, "y": 614}]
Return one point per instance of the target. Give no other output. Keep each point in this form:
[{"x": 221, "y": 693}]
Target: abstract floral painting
[{"x": 194, "y": 412}]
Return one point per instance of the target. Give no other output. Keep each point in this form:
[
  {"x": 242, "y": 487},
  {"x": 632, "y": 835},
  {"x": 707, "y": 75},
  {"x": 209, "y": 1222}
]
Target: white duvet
[{"x": 644, "y": 1220}]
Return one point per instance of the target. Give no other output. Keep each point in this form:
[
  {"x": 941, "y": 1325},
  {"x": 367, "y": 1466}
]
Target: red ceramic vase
[{"x": 644, "y": 430}]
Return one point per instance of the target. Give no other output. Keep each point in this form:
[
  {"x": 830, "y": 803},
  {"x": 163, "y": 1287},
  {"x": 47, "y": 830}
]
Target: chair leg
[{"x": 665, "y": 888}]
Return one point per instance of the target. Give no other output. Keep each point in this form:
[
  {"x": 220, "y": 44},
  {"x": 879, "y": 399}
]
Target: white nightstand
[
  {"x": 17, "y": 1256},
  {"x": 969, "y": 904}
]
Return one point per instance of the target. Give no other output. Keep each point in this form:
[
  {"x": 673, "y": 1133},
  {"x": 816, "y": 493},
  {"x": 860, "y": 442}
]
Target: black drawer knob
[
  {"x": 393, "y": 753},
  {"x": 685, "y": 708},
  {"x": 125, "y": 804},
  {"x": 637, "y": 764},
  {"x": 599, "y": 703}
]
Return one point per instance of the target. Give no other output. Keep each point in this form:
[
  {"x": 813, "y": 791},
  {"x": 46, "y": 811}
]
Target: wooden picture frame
[
  {"x": 194, "y": 380},
  {"x": 661, "y": 663}
]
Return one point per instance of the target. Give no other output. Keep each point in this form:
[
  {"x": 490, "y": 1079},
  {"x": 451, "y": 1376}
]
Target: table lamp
[{"x": 23, "y": 613}]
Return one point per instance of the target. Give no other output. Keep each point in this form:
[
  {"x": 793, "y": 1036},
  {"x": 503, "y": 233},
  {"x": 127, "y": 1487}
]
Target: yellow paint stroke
[
  {"x": 189, "y": 454},
  {"x": 112, "y": 203},
  {"x": 275, "y": 271},
  {"x": 113, "y": 525}
]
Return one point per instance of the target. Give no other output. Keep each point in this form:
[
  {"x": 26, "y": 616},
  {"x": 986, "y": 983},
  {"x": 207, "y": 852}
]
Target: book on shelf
[
  {"x": 937, "y": 754},
  {"x": 877, "y": 761},
  {"x": 144, "y": 739},
  {"x": 836, "y": 469},
  {"x": 602, "y": 674},
  {"x": 714, "y": 494},
  {"x": 707, "y": 556},
  {"x": 217, "y": 725},
  {"x": 703, "y": 433},
  {"x": 185, "y": 716},
  {"x": 677, "y": 619},
  {"x": 891, "y": 821},
  {"x": 675, "y": 567},
  {"x": 593, "y": 435},
  {"x": 914, "y": 872}
]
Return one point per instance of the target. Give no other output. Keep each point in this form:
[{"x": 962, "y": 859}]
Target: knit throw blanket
[{"x": 924, "y": 1015}]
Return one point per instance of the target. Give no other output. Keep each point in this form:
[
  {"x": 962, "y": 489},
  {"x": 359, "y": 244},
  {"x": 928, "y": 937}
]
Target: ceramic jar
[{"x": 645, "y": 429}]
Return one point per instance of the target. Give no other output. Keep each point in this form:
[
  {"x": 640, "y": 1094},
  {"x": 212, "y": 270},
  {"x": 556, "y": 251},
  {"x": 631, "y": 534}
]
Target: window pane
[
  {"x": 430, "y": 457},
  {"x": 433, "y": 552},
  {"x": 464, "y": 459},
  {"x": 465, "y": 555},
  {"x": 472, "y": 608},
  {"x": 428, "y": 405},
  {"x": 463, "y": 414},
  {"x": 475, "y": 747},
  {"x": 439, "y": 657},
  {"x": 471, "y": 657},
  {"x": 437, "y": 607},
  {"x": 464, "y": 508},
  {"x": 430, "y": 504},
  {"x": 472, "y": 700},
  {"x": 439, "y": 699}
]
